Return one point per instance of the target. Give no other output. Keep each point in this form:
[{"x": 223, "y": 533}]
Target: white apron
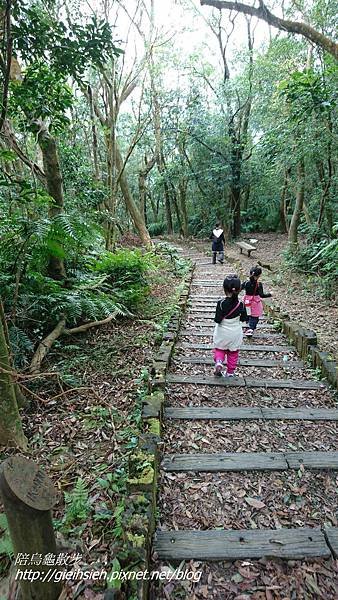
[{"x": 228, "y": 335}]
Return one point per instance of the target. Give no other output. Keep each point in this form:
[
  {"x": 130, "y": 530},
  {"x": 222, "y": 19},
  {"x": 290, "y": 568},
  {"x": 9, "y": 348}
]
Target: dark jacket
[
  {"x": 252, "y": 289},
  {"x": 217, "y": 242},
  {"x": 226, "y": 306}
]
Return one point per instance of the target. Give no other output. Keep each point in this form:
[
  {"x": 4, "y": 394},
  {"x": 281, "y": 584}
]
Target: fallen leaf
[{"x": 254, "y": 503}]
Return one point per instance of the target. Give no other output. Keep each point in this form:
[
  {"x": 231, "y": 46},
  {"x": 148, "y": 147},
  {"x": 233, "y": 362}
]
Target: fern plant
[
  {"x": 21, "y": 346},
  {"x": 77, "y": 504}
]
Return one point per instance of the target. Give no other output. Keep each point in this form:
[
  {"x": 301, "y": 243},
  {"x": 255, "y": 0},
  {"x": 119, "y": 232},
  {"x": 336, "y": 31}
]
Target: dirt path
[{"x": 240, "y": 481}]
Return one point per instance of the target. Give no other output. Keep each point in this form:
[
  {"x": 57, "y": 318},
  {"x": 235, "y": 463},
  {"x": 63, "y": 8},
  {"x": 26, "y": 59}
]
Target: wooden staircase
[{"x": 274, "y": 360}]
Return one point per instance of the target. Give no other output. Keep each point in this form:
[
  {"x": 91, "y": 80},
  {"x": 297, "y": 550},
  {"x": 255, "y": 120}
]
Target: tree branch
[
  {"x": 263, "y": 13},
  {"x": 60, "y": 329},
  {"x": 86, "y": 326},
  {"x": 45, "y": 345},
  {"x": 10, "y": 140}
]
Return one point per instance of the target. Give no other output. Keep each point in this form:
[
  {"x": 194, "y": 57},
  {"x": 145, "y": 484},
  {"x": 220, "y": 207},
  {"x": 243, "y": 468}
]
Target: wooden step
[
  {"x": 312, "y": 460},
  {"x": 220, "y": 462},
  {"x": 331, "y": 534},
  {"x": 293, "y": 384},
  {"x": 250, "y": 413},
  {"x": 202, "y": 324},
  {"x": 210, "y": 332},
  {"x": 206, "y": 316},
  {"x": 244, "y": 362},
  {"x": 204, "y": 301},
  {"x": 207, "y": 285},
  {"x": 208, "y": 281},
  {"x": 219, "y": 545},
  {"x": 245, "y": 347}
]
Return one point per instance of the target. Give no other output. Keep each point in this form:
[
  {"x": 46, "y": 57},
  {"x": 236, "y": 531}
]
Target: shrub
[
  {"x": 156, "y": 228},
  {"x": 317, "y": 259},
  {"x": 124, "y": 267}
]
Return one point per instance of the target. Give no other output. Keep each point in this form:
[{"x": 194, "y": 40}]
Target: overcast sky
[{"x": 188, "y": 31}]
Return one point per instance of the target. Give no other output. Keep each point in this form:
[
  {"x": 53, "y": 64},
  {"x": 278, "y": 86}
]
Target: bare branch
[{"x": 263, "y": 13}]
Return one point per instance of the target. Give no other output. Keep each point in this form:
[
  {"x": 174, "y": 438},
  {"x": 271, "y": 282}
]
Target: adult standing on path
[{"x": 218, "y": 241}]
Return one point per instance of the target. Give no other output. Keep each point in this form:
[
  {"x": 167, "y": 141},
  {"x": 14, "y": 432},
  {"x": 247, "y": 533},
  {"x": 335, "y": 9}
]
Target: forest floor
[
  {"x": 298, "y": 294},
  {"x": 83, "y": 421}
]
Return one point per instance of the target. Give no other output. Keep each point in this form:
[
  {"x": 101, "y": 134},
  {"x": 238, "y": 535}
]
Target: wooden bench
[{"x": 246, "y": 246}]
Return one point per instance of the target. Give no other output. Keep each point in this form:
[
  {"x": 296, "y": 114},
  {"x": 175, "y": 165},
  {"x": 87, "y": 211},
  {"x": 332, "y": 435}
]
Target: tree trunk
[
  {"x": 177, "y": 210},
  {"x": 51, "y": 165},
  {"x": 142, "y": 177},
  {"x": 131, "y": 205},
  {"x": 94, "y": 135},
  {"x": 110, "y": 202},
  {"x": 156, "y": 110},
  {"x": 239, "y": 137},
  {"x": 324, "y": 207},
  {"x": 153, "y": 204},
  {"x": 169, "y": 218},
  {"x": 28, "y": 496},
  {"x": 11, "y": 433},
  {"x": 182, "y": 188},
  {"x": 235, "y": 186},
  {"x": 246, "y": 196},
  {"x": 306, "y": 214},
  {"x": 293, "y": 231},
  {"x": 21, "y": 400},
  {"x": 282, "y": 205},
  {"x": 142, "y": 193}
]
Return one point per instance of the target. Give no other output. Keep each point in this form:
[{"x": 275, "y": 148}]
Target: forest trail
[{"x": 248, "y": 464}]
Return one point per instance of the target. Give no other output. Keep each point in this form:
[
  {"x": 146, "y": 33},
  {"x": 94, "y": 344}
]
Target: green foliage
[
  {"x": 21, "y": 346},
  {"x": 123, "y": 266},
  {"x": 6, "y": 547},
  {"x": 69, "y": 48},
  {"x": 43, "y": 94},
  {"x": 156, "y": 229},
  {"x": 305, "y": 92},
  {"x": 318, "y": 260},
  {"x": 328, "y": 252},
  {"x": 98, "y": 417},
  {"x": 180, "y": 265},
  {"x": 114, "y": 582},
  {"x": 76, "y": 505},
  {"x": 126, "y": 271},
  {"x": 44, "y": 300}
]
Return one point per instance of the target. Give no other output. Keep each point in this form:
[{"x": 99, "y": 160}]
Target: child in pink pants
[{"x": 228, "y": 333}]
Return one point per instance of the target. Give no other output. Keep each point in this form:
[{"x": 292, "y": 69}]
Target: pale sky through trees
[{"x": 188, "y": 32}]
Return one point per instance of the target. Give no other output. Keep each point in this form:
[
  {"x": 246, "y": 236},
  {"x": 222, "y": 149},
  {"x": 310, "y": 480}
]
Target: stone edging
[
  {"x": 305, "y": 341},
  {"x": 140, "y": 517}
]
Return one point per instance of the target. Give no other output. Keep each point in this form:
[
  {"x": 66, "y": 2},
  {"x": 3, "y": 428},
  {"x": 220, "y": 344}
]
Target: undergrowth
[{"x": 103, "y": 284}]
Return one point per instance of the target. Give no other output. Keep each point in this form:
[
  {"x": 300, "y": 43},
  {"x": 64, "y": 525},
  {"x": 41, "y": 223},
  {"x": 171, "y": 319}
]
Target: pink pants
[{"x": 232, "y": 358}]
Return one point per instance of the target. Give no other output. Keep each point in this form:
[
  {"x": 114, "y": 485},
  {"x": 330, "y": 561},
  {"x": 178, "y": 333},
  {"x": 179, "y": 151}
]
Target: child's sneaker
[
  {"x": 229, "y": 375},
  {"x": 249, "y": 333},
  {"x": 218, "y": 369}
]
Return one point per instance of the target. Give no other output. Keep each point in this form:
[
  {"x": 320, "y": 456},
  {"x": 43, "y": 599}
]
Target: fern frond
[
  {"x": 21, "y": 345},
  {"x": 77, "y": 503}
]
